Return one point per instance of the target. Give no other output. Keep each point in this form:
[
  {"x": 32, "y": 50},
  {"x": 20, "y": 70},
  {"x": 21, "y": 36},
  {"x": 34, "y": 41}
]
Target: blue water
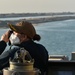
[{"x": 58, "y": 37}]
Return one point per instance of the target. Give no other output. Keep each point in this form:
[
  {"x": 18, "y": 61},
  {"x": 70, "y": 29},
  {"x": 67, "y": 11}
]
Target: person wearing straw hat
[{"x": 24, "y": 35}]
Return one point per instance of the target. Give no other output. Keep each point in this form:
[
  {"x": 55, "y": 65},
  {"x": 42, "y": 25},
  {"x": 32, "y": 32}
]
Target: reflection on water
[{"x": 58, "y": 37}]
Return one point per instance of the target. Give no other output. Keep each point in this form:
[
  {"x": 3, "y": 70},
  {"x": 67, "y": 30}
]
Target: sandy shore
[
  {"x": 50, "y": 19},
  {"x": 35, "y": 21}
]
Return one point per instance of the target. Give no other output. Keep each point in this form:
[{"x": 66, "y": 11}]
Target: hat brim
[{"x": 14, "y": 28}]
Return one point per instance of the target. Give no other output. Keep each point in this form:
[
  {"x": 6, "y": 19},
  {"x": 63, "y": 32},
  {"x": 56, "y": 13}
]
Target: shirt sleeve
[{"x": 2, "y": 46}]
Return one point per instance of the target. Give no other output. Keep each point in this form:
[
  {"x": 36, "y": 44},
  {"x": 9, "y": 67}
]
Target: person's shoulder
[
  {"x": 41, "y": 46},
  {"x": 43, "y": 49}
]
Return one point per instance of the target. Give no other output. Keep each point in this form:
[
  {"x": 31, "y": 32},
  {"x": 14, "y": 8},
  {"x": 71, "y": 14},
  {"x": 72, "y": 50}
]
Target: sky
[{"x": 36, "y": 6}]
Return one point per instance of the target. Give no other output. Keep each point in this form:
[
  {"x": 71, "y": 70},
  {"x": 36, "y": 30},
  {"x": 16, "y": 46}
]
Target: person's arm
[
  {"x": 4, "y": 40},
  {"x": 2, "y": 46},
  {"x": 6, "y": 56}
]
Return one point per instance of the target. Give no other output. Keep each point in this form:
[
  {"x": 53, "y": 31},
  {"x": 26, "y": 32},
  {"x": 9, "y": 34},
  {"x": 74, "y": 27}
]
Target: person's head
[{"x": 23, "y": 31}]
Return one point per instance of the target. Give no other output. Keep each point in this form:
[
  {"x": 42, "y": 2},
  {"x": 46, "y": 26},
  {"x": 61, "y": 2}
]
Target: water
[{"x": 58, "y": 37}]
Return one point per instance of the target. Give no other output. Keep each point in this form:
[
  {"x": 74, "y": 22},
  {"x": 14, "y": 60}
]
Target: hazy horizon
[{"x": 36, "y": 6}]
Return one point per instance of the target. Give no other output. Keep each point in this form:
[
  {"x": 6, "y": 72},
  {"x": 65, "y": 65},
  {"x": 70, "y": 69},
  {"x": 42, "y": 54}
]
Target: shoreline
[
  {"x": 35, "y": 21},
  {"x": 50, "y": 19}
]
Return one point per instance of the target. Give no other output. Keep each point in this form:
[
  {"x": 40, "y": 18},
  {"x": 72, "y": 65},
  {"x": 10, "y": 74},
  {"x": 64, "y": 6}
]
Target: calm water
[{"x": 58, "y": 37}]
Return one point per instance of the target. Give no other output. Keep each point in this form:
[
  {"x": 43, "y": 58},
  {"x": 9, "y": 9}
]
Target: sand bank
[{"x": 37, "y": 20}]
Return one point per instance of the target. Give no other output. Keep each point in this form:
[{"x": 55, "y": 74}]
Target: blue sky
[{"x": 28, "y": 6}]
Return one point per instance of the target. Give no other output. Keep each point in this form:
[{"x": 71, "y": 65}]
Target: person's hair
[{"x": 37, "y": 37}]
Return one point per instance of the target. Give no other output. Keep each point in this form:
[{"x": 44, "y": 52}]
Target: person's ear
[{"x": 24, "y": 37}]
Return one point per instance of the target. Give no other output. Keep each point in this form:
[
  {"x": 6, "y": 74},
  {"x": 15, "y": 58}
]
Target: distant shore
[{"x": 35, "y": 21}]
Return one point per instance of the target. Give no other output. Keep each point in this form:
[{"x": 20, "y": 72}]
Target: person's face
[{"x": 22, "y": 37}]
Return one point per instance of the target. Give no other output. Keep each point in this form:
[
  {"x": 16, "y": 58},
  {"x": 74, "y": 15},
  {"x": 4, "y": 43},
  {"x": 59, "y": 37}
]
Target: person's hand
[{"x": 5, "y": 36}]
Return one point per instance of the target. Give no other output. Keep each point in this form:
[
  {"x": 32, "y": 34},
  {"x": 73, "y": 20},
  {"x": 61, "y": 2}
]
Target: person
[{"x": 23, "y": 35}]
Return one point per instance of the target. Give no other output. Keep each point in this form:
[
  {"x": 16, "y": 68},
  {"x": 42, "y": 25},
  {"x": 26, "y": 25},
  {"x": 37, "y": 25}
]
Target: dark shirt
[
  {"x": 2, "y": 46},
  {"x": 37, "y": 51}
]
